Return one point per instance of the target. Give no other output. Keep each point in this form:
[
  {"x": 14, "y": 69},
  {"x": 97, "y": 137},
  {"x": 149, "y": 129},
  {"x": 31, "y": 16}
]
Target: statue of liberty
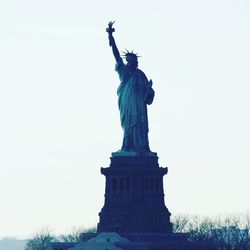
[{"x": 134, "y": 94}]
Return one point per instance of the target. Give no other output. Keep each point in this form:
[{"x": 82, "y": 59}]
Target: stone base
[
  {"x": 114, "y": 241},
  {"x": 134, "y": 196}
]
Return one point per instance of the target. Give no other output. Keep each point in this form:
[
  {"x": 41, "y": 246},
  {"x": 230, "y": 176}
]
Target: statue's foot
[{"x": 123, "y": 152}]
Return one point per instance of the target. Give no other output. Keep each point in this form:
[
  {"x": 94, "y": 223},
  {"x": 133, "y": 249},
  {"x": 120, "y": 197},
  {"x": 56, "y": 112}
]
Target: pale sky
[{"x": 60, "y": 120}]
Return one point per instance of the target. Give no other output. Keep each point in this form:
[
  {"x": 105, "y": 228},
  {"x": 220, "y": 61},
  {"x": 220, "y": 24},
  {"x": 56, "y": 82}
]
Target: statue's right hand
[
  {"x": 110, "y": 28},
  {"x": 111, "y": 24}
]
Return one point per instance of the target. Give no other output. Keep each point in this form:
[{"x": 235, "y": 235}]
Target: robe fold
[{"x": 134, "y": 93}]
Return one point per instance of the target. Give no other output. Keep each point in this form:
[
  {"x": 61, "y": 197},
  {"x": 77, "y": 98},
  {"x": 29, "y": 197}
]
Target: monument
[
  {"x": 134, "y": 93},
  {"x": 134, "y": 197},
  {"x": 134, "y": 215}
]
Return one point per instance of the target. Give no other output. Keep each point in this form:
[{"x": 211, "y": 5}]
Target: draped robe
[{"x": 134, "y": 93}]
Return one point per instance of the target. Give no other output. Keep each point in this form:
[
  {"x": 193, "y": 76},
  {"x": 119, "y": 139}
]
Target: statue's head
[{"x": 132, "y": 59}]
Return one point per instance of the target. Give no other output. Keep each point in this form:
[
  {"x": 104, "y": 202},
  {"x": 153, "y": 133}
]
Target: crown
[{"x": 128, "y": 54}]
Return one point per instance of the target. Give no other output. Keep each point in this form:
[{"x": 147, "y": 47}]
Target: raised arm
[{"x": 112, "y": 43}]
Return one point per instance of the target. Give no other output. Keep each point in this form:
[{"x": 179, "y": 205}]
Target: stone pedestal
[
  {"x": 134, "y": 215},
  {"x": 134, "y": 196}
]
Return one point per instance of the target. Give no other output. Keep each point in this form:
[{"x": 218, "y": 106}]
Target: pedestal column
[{"x": 134, "y": 196}]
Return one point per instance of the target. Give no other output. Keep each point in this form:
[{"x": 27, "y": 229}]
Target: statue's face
[{"x": 132, "y": 61}]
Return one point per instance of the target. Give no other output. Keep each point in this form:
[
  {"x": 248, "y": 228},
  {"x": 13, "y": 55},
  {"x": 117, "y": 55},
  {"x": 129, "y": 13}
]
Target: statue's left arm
[{"x": 150, "y": 93}]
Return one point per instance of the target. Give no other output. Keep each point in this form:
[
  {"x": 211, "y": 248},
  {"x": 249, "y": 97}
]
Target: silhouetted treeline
[
  {"x": 226, "y": 232},
  {"x": 43, "y": 239}
]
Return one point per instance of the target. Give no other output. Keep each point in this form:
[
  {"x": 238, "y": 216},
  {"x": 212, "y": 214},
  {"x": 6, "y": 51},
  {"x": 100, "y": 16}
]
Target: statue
[{"x": 134, "y": 94}]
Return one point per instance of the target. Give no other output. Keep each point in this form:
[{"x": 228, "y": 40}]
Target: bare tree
[
  {"x": 180, "y": 223},
  {"x": 227, "y": 232},
  {"x": 232, "y": 232},
  {"x": 41, "y": 241},
  {"x": 76, "y": 234}
]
